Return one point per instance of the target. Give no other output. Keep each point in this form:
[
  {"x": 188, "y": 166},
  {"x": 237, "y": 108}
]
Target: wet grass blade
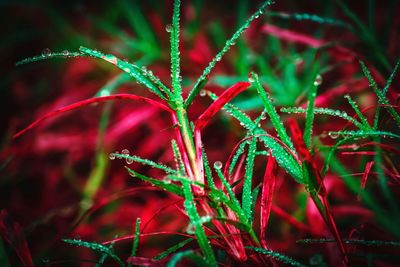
[
  {"x": 50, "y": 55},
  {"x": 180, "y": 166},
  {"x": 191, "y": 255},
  {"x": 231, "y": 42},
  {"x": 248, "y": 178},
  {"x": 141, "y": 74},
  {"x": 195, "y": 220},
  {"x": 310, "y": 113},
  {"x": 353, "y": 104},
  {"x": 132, "y": 158},
  {"x": 278, "y": 256},
  {"x": 381, "y": 97},
  {"x": 135, "y": 244},
  {"x": 173, "y": 249},
  {"x": 95, "y": 247},
  {"x": 172, "y": 188},
  {"x": 175, "y": 59},
  {"x": 273, "y": 115},
  {"x": 326, "y": 111},
  {"x": 239, "y": 151}
]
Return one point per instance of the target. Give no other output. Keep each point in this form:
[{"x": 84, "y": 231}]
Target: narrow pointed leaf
[
  {"x": 248, "y": 178},
  {"x": 91, "y": 101},
  {"x": 278, "y": 256},
  {"x": 175, "y": 59}
]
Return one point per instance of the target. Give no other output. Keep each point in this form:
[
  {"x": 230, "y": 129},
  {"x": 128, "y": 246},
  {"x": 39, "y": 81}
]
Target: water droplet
[
  {"x": 333, "y": 135},
  {"x": 263, "y": 116},
  {"x": 218, "y": 165},
  {"x": 46, "y": 52},
  {"x": 190, "y": 229},
  {"x": 111, "y": 156},
  {"x": 318, "y": 80},
  {"x": 127, "y": 70},
  {"x": 129, "y": 160},
  {"x": 167, "y": 179},
  {"x": 250, "y": 77},
  {"x": 355, "y": 147},
  {"x": 125, "y": 151},
  {"x": 168, "y": 28},
  {"x": 65, "y": 52},
  {"x": 203, "y": 93}
]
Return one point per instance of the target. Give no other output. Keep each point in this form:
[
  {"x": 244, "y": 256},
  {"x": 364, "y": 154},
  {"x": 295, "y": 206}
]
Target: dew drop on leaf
[
  {"x": 46, "y": 52},
  {"x": 129, "y": 160},
  {"x": 203, "y": 93},
  {"x": 111, "y": 156},
  {"x": 318, "y": 80},
  {"x": 218, "y": 165},
  {"x": 125, "y": 151},
  {"x": 168, "y": 28},
  {"x": 250, "y": 78},
  {"x": 333, "y": 135},
  {"x": 65, "y": 52}
]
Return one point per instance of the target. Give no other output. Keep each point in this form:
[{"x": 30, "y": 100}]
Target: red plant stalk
[{"x": 321, "y": 196}]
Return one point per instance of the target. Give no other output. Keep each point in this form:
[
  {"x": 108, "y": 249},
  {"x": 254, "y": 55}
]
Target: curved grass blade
[
  {"x": 191, "y": 255},
  {"x": 64, "y": 54},
  {"x": 196, "y": 221},
  {"x": 351, "y": 241},
  {"x": 175, "y": 59},
  {"x": 135, "y": 244},
  {"x": 95, "y": 247},
  {"x": 196, "y": 88},
  {"x": 268, "y": 189},
  {"x": 273, "y": 115},
  {"x": 278, "y": 256},
  {"x": 218, "y": 104},
  {"x": 248, "y": 178},
  {"x": 132, "y": 158},
  {"x": 363, "y": 134},
  {"x": 208, "y": 172},
  {"x": 327, "y": 111},
  {"x": 173, "y": 249},
  {"x": 141, "y": 74},
  {"x": 91, "y": 101},
  {"x": 239, "y": 151},
  {"x": 309, "y": 17},
  {"x": 172, "y": 188}
]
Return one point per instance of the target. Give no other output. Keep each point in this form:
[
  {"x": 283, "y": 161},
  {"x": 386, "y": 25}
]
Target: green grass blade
[
  {"x": 236, "y": 156},
  {"x": 363, "y": 134},
  {"x": 284, "y": 159},
  {"x": 248, "y": 178},
  {"x": 384, "y": 92},
  {"x": 180, "y": 166},
  {"x": 353, "y": 104},
  {"x": 141, "y": 74},
  {"x": 195, "y": 220},
  {"x": 273, "y": 115},
  {"x": 310, "y": 112},
  {"x": 132, "y": 158},
  {"x": 327, "y": 111},
  {"x": 208, "y": 172},
  {"x": 309, "y": 17},
  {"x": 231, "y": 42},
  {"x": 135, "y": 245},
  {"x": 173, "y": 249},
  {"x": 190, "y": 254},
  {"x": 381, "y": 97},
  {"x": 363, "y": 242},
  {"x": 278, "y": 256},
  {"x": 49, "y": 55},
  {"x": 175, "y": 59},
  {"x": 167, "y": 186},
  {"x": 95, "y": 247}
]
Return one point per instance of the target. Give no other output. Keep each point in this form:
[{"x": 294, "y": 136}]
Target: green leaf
[
  {"x": 248, "y": 178},
  {"x": 95, "y": 247},
  {"x": 381, "y": 97},
  {"x": 175, "y": 59},
  {"x": 141, "y": 74},
  {"x": 207, "y": 171},
  {"x": 172, "y": 249},
  {"x": 132, "y": 158},
  {"x": 45, "y": 56},
  {"x": 195, "y": 220},
  {"x": 310, "y": 113},
  {"x": 190, "y": 254},
  {"x": 167, "y": 186},
  {"x": 236, "y": 156},
  {"x": 278, "y": 256},
  {"x": 180, "y": 166},
  {"x": 327, "y": 111},
  {"x": 136, "y": 239},
  {"x": 270, "y": 109},
  {"x": 353, "y": 104}
]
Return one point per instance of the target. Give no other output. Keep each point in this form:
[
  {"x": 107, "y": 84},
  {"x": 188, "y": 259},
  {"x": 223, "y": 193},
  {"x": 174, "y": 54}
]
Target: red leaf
[
  {"x": 266, "y": 197},
  {"x": 366, "y": 173},
  {"x": 11, "y": 232},
  {"x": 91, "y": 101},
  {"x": 226, "y": 96}
]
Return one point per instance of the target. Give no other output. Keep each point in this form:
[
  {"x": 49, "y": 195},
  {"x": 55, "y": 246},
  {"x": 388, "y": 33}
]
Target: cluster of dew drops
[
  {"x": 124, "y": 155},
  {"x": 46, "y": 52}
]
